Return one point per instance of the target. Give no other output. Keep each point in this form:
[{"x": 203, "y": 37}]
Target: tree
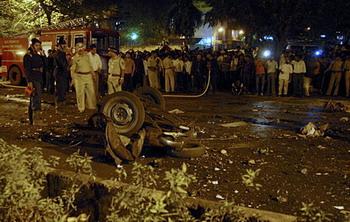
[
  {"x": 18, "y": 16},
  {"x": 154, "y": 20},
  {"x": 280, "y": 18},
  {"x": 183, "y": 17}
]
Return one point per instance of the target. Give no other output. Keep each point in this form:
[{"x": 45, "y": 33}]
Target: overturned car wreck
[{"x": 128, "y": 122}]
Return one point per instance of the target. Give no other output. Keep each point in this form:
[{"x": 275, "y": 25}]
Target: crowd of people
[{"x": 241, "y": 71}]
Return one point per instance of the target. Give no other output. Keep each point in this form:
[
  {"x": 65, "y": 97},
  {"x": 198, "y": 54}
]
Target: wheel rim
[{"x": 122, "y": 114}]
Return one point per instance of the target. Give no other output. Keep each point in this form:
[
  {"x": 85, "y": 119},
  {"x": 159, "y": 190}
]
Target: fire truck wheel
[
  {"x": 152, "y": 96},
  {"x": 15, "y": 75},
  {"x": 125, "y": 110},
  {"x": 190, "y": 150}
]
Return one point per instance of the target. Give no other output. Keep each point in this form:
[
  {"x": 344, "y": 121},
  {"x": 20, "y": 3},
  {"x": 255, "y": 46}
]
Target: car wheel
[
  {"x": 151, "y": 96},
  {"x": 126, "y": 112},
  {"x": 189, "y": 150}
]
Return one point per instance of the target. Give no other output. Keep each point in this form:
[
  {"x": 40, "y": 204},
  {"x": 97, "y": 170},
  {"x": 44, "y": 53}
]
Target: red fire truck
[{"x": 12, "y": 49}]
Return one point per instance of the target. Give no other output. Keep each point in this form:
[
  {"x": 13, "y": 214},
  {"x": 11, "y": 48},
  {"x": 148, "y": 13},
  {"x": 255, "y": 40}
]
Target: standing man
[
  {"x": 336, "y": 68},
  {"x": 169, "y": 74},
  {"x": 260, "y": 76},
  {"x": 189, "y": 80},
  {"x": 50, "y": 81},
  {"x": 97, "y": 67},
  {"x": 179, "y": 68},
  {"x": 116, "y": 68},
  {"x": 34, "y": 67},
  {"x": 286, "y": 69},
  {"x": 152, "y": 71},
  {"x": 271, "y": 67},
  {"x": 82, "y": 75},
  {"x": 61, "y": 73},
  {"x": 347, "y": 75},
  {"x": 198, "y": 69},
  {"x": 129, "y": 72},
  {"x": 213, "y": 68},
  {"x": 299, "y": 70}
]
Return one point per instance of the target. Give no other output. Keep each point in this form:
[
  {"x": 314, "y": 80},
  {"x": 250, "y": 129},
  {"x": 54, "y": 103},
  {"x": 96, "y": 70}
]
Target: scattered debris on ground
[
  {"x": 176, "y": 111},
  {"x": 344, "y": 119},
  {"x": 311, "y": 130},
  {"x": 234, "y": 124},
  {"x": 331, "y": 107}
]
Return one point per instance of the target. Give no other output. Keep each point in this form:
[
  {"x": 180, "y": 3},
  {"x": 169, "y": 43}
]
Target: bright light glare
[
  {"x": 266, "y": 53},
  {"x": 134, "y": 36},
  {"x": 241, "y": 32},
  {"x": 205, "y": 41},
  {"x": 20, "y": 53},
  {"x": 318, "y": 52},
  {"x": 221, "y": 29},
  {"x": 268, "y": 37}
]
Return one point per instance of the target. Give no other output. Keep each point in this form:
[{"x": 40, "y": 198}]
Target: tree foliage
[
  {"x": 155, "y": 19},
  {"x": 18, "y": 16},
  {"x": 281, "y": 18}
]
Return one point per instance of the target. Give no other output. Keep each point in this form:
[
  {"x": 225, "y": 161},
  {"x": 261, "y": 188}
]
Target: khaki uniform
[
  {"x": 82, "y": 72},
  {"x": 153, "y": 72},
  {"x": 337, "y": 69},
  {"x": 96, "y": 63},
  {"x": 116, "y": 67},
  {"x": 347, "y": 76},
  {"x": 169, "y": 75}
]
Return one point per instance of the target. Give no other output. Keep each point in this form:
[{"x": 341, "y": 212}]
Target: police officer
[
  {"x": 61, "y": 73},
  {"x": 152, "y": 67},
  {"x": 82, "y": 75},
  {"x": 116, "y": 68},
  {"x": 34, "y": 67}
]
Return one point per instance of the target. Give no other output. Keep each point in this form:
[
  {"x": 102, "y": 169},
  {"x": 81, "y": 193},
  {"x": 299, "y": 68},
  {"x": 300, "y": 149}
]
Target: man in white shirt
[
  {"x": 285, "y": 71},
  {"x": 116, "y": 67},
  {"x": 189, "y": 79},
  {"x": 178, "y": 68},
  {"x": 152, "y": 70},
  {"x": 271, "y": 67},
  {"x": 81, "y": 72},
  {"x": 169, "y": 76},
  {"x": 299, "y": 70},
  {"x": 97, "y": 67}
]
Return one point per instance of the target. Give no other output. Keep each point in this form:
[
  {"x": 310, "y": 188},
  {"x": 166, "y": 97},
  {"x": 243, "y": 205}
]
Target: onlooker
[
  {"x": 116, "y": 68},
  {"x": 169, "y": 74},
  {"x": 284, "y": 78},
  {"x": 129, "y": 72},
  {"x": 152, "y": 71},
  {"x": 50, "y": 81},
  {"x": 299, "y": 70},
  {"x": 336, "y": 68},
  {"x": 97, "y": 67},
  {"x": 34, "y": 67},
  {"x": 189, "y": 80},
  {"x": 178, "y": 68},
  {"x": 260, "y": 76},
  {"x": 61, "y": 73},
  {"x": 347, "y": 76},
  {"x": 271, "y": 67}
]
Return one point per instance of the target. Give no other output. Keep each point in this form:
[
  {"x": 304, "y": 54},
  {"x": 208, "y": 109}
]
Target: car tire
[
  {"x": 125, "y": 110},
  {"x": 151, "y": 96},
  {"x": 190, "y": 150}
]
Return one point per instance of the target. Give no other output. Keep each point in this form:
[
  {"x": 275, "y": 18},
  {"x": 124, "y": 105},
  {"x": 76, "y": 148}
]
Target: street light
[
  {"x": 241, "y": 32},
  {"x": 134, "y": 36},
  {"x": 221, "y": 29}
]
